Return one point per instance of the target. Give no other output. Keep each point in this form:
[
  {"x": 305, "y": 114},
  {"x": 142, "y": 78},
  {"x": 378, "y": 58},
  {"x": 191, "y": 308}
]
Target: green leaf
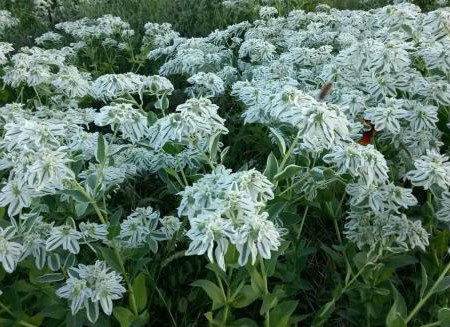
[
  {"x": 442, "y": 285},
  {"x": 324, "y": 314},
  {"x": 70, "y": 261},
  {"x": 280, "y": 315},
  {"x": 398, "y": 312},
  {"x": 288, "y": 172},
  {"x": 124, "y": 316},
  {"x": 110, "y": 257},
  {"x": 213, "y": 291},
  {"x": 271, "y": 167},
  {"x": 400, "y": 261},
  {"x": 269, "y": 301},
  {"x": 246, "y": 296},
  {"x": 80, "y": 208},
  {"x": 50, "y": 278},
  {"x": 244, "y": 322},
  {"x": 164, "y": 102},
  {"x": 76, "y": 195},
  {"x": 289, "y": 218},
  {"x": 114, "y": 224},
  {"x": 444, "y": 317},
  {"x": 100, "y": 155},
  {"x": 214, "y": 145},
  {"x": 256, "y": 280},
  {"x": 55, "y": 311},
  {"x": 280, "y": 141},
  {"x": 140, "y": 292}
]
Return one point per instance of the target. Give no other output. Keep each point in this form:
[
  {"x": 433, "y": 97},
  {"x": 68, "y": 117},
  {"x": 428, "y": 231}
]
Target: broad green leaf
[
  {"x": 280, "y": 315},
  {"x": 442, "y": 285},
  {"x": 214, "y": 145},
  {"x": 100, "y": 155},
  {"x": 80, "y": 208},
  {"x": 69, "y": 261},
  {"x": 269, "y": 301},
  {"x": 54, "y": 261},
  {"x": 256, "y": 280},
  {"x": 444, "y": 317},
  {"x": 287, "y": 172},
  {"x": 244, "y": 322},
  {"x": 114, "y": 224},
  {"x": 140, "y": 292},
  {"x": 50, "y": 278},
  {"x": 55, "y": 311},
  {"x": 110, "y": 257},
  {"x": 398, "y": 312},
  {"x": 124, "y": 316},
  {"x": 271, "y": 167},
  {"x": 280, "y": 141},
  {"x": 245, "y": 297},
  {"x": 289, "y": 218},
  {"x": 76, "y": 195},
  {"x": 213, "y": 291}
]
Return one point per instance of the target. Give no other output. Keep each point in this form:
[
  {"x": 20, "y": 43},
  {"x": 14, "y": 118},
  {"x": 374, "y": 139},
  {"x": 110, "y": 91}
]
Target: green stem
[
  {"x": 303, "y": 221},
  {"x": 429, "y": 293},
  {"x": 4, "y": 307},
  {"x": 20, "y": 322},
  {"x": 338, "y": 233},
  {"x": 436, "y": 323},
  {"x": 116, "y": 251},
  {"x": 289, "y": 152},
  {"x": 266, "y": 290}
]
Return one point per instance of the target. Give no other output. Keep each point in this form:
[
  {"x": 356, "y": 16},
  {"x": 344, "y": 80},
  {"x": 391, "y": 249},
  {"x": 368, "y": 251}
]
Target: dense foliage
[{"x": 288, "y": 170}]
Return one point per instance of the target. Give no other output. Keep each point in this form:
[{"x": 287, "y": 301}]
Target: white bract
[
  {"x": 227, "y": 208},
  {"x": 90, "y": 285}
]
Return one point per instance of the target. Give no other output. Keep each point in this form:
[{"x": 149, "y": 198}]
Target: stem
[
  {"x": 266, "y": 290},
  {"x": 226, "y": 297},
  {"x": 37, "y": 94},
  {"x": 303, "y": 221},
  {"x": 429, "y": 293},
  {"x": 4, "y": 307},
  {"x": 289, "y": 152},
  {"x": 20, "y": 322},
  {"x": 116, "y": 251},
  {"x": 338, "y": 233},
  {"x": 436, "y": 323}
]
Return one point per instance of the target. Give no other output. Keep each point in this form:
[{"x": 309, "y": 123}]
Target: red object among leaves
[{"x": 367, "y": 135}]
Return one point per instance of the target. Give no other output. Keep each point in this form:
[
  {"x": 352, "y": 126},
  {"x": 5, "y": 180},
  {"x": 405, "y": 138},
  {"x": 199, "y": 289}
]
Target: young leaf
[
  {"x": 271, "y": 167},
  {"x": 124, "y": 316},
  {"x": 214, "y": 145}
]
